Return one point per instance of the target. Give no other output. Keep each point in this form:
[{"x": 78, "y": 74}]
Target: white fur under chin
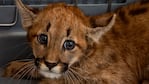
[{"x": 48, "y": 74}]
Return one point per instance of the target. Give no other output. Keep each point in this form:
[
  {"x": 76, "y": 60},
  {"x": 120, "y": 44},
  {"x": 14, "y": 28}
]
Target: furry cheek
[
  {"x": 39, "y": 51},
  {"x": 75, "y": 57}
]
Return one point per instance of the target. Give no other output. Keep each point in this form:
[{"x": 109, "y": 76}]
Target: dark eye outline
[
  {"x": 42, "y": 38},
  {"x": 69, "y": 45}
]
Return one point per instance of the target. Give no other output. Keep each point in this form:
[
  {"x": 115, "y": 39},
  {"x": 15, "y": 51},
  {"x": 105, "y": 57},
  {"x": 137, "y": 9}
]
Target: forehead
[
  {"x": 62, "y": 14},
  {"x": 61, "y": 17}
]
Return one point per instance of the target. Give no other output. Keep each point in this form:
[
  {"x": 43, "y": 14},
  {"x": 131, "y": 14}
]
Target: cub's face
[
  {"x": 59, "y": 35},
  {"x": 58, "y": 40}
]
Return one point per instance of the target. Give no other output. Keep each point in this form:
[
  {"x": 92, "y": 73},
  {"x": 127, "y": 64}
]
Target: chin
[{"x": 51, "y": 75}]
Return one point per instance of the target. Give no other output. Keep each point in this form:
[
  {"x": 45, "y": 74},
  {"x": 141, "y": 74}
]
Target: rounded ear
[
  {"x": 96, "y": 33},
  {"x": 27, "y": 14}
]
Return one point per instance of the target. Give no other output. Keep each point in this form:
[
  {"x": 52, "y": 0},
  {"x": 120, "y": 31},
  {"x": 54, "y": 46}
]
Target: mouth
[{"x": 52, "y": 70}]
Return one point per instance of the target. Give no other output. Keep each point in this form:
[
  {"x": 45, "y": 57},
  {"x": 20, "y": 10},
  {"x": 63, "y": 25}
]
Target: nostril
[
  {"x": 37, "y": 62},
  {"x": 50, "y": 65}
]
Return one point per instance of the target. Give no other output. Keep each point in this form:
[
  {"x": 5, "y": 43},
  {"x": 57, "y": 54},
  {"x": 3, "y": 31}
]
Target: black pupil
[
  {"x": 69, "y": 44},
  {"x": 42, "y": 38}
]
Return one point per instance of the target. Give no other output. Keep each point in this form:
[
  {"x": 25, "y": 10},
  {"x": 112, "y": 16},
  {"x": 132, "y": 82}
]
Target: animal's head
[{"x": 59, "y": 35}]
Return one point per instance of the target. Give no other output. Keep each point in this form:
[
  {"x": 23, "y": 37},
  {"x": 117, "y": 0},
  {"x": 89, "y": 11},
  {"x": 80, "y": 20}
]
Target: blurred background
[{"x": 37, "y": 2}]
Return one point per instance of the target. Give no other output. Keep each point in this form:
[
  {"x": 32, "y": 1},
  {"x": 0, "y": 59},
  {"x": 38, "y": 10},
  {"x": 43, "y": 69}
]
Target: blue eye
[
  {"x": 69, "y": 45},
  {"x": 42, "y": 39}
]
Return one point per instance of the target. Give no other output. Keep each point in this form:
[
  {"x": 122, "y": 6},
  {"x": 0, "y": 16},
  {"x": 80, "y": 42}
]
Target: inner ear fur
[
  {"x": 27, "y": 14},
  {"x": 100, "y": 20},
  {"x": 96, "y": 33}
]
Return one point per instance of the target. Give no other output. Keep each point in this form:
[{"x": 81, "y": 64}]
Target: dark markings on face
[
  {"x": 138, "y": 11},
  {"x": 79, "y": 46},
  {"x": 48, "y": 26},
  {"x": 68, "y": 32}
]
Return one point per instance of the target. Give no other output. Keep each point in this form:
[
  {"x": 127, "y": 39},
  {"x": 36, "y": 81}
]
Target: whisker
[
  {"x": 36, "y": 73},
  {"x": 24, "y": 73},
  {"x": 21, "y": 60},
  {"x": 71, "y": 75},
  {"x": 33, "y": 71},
  {"x": 22, "y": 69},
  {"x": 75, "y": 77},
  {"x": 19, "y": 76},
  {"x": 83, "y": 78},
  {"x": 73, "y": 71},
  {"x": 78, "y": 75},
  {"x": 70, "y": 78},
  {"x": 16, "y": 74},
  {"x": 28, "y": 70},
  {"x": 27, "y": 78},
  {"x": 30, "y": 76},
  {"x": 67, "y": 81}
]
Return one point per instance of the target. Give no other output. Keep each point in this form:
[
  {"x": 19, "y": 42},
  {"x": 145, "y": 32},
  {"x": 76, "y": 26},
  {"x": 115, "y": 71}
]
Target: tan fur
[{"x": 116, "y": 53}]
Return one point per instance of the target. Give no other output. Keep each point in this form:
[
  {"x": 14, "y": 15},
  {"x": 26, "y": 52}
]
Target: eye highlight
[
  {"x": 69, "y": 45},
  {"x": 42, "y": 38}
]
